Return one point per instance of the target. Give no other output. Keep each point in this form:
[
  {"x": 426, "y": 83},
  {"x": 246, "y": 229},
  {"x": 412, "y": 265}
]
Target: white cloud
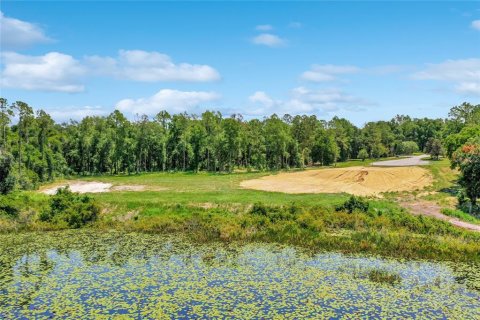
[
  {"x": 470, "y": 88},
  {"x": 268, "y": 39},
  {"x": 463, "y": 74},
  {"x": 17, "y": 34},
  {"x": 304, "y": 100},
  {"x": 152, "y": 66},
  {"x": 327, "y": 72},
  {"x": 264, "y": 27},
  {"x": 476, "y": 24},
  {"x": 174, "y": 101},
  {"x": 51, "y": 72},
  {"x": 76, "y": 113},
  {"x": 262, "y": 98}
]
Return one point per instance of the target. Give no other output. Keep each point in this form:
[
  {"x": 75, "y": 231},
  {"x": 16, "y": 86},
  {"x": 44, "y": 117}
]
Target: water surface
[{"x": 87, "y": 274}]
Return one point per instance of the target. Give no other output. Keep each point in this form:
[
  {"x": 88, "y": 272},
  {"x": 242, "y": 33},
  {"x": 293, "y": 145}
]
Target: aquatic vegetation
[
  {"x": 383, "y": 276},
  {"x": 83, "y": 273}
]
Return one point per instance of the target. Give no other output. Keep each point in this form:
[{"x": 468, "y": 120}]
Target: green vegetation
[
  {"x": 66, "y": 207},
  {"x": 43, "y": 150},
  {"x": 467, "y": 159},
  {"x": 354, "y": 204},
  {"x": 7, "y": 180},
  {"x": 384, "y": 276},
  {"x": 408, "y": 147},
  {"x": 461, "y": 215},
  {"x": 214, "y": 154},
  {"x": 210, "y": 207}
]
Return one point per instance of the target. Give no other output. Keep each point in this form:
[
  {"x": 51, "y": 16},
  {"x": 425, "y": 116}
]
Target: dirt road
[
  {"x": 403, "y": 162},
  {"x": 427, "y": 208}
]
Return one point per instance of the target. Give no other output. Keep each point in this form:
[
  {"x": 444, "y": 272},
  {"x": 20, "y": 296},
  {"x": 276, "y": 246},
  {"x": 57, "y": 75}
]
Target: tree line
[{"x": 38, "y": 149}]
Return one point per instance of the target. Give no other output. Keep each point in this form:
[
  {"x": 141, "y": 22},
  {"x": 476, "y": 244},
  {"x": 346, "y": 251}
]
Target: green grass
[
  {"x": 201, "y": 189},
  {"x": 209, "y": 206},
  {"x": 459, "y": 214}
]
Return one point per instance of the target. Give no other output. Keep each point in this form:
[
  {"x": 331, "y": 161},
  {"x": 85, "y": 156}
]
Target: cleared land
[
  {"x": 363, "y": 181},
  {"x": 94, "y": 187}
]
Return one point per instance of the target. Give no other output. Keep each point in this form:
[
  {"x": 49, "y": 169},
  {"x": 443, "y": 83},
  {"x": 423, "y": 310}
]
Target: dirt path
[
  {"x": 427, "y": 208},
  {"x": 403, "y": 162}
]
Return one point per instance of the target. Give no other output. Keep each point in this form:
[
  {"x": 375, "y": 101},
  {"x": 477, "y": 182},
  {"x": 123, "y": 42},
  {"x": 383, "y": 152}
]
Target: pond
[{"x": 89, "y": 274}]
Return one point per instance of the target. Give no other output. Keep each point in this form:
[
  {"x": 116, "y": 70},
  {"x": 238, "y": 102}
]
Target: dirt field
[{"x": 364, "y": 181}]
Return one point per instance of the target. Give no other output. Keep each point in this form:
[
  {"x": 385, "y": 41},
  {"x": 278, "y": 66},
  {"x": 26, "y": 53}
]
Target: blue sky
[{"x": 360, "y": 60}]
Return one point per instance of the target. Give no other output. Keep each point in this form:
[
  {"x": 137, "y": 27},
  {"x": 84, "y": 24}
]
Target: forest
[{"x": 38, "y": 149}]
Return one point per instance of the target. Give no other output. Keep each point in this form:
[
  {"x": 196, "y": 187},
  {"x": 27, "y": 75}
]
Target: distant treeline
[{"x": 38, "y": 149}]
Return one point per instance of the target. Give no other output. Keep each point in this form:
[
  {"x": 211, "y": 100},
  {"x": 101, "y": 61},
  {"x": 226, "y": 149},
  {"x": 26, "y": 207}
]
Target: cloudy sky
[{"x": 360, "y": 60}]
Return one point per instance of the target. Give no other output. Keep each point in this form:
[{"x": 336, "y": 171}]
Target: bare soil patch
[
  {"x": 80, "y": 187},
  {"x": 363, "y": 181},
  {"x": 428, "y": 208},
  {"x": 97, "y": 187}
]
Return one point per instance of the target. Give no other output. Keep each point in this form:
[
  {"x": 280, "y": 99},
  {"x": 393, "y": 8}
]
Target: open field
[
  {"x": 363, "y": 181},
  {"x": 207, "y": 206}
]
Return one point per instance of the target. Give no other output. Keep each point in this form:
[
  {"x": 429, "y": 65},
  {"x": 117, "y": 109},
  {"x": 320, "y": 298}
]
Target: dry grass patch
[{"x": 362, "y": 181}]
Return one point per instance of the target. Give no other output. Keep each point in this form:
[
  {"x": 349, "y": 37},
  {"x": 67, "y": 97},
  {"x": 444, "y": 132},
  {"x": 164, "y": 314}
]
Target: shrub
[
  {"x": 71, "y": 208},
  {"x": 259, "y": 209},
  {"x": 8, "y": 206},
  {"x": 353, "y": 204}
]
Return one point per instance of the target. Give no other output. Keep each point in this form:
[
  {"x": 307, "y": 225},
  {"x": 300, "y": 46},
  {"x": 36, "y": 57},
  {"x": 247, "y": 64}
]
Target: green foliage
[
  {"x": 467, "y": 160},
  {"x": 409, "y": 147},
  {"x": 362, "y": 154},
  {"x": 9, "y": 206},
  {"x": 43, "y": 150},
  {"x": 434, "y": 148},
  {"x": 259, "y": 209},
  {"x": 73, "y": 209},
  {"x": 354, "y": 204},
  {"x": 7, "y": 179},
  {"x": 461, "y": 215}
]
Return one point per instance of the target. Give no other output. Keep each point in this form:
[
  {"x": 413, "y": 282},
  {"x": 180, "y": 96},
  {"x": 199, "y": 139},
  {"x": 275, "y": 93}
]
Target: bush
[
  {"x": 71, "y": 208},
  {"x": 8, "y": 206},
  {"x": 353, "y": 204},
  {"x": 259, "y": 209}
]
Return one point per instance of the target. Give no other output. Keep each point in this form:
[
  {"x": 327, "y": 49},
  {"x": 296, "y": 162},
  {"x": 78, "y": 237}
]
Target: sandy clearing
[
  {"x": 427, "y": 208},
  {"x": 363, "y": 181},
  {"x": 96, "y": 187},
  {"x": 403, "y": 162},
  {"x": 80, "y": 187}
]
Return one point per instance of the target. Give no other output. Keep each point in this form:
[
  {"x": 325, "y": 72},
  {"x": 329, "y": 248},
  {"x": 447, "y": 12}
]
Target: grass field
[{"x": 209, "y": 206}]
